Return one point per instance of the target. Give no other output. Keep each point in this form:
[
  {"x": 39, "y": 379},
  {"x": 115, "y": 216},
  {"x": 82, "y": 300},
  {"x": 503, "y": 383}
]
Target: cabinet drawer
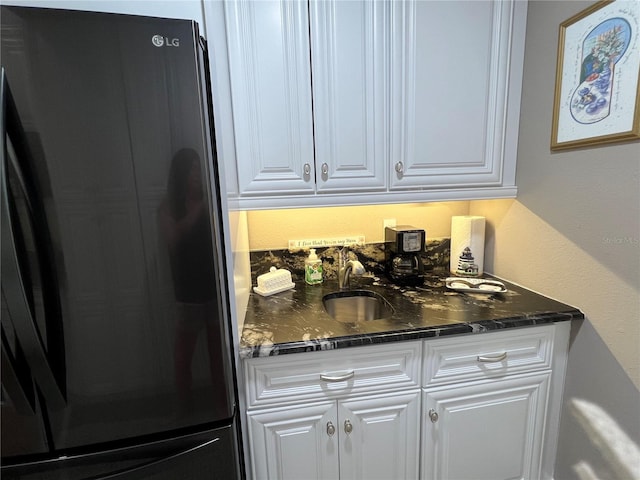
[
  {"x": 315, "y": 375},
  {"x": 489, "y": 354}
]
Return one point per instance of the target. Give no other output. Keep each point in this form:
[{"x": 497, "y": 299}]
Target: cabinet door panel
[
  {"x": 293, "y": 443},
  {"x": 270, "y": 76},
  {"x": 485, "y": 431},
  {"x": 384, "y": 439},
  {"x": 450, "y": 93},
  {"x": 350, "y": 78}
]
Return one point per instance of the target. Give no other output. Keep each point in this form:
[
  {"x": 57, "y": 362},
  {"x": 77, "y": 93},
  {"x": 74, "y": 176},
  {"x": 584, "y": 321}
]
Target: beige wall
[
  {"x": 272, "y": 229},
  {"x": 574, "y": 231},
  {"x": 580, "y": 261},
  {"x": 574, "y": 234}
]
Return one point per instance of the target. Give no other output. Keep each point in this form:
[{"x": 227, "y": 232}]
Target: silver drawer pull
[
  {"x": 489, "y": 359},
  {"x": 337, "y": 378},
  {"x": 331, "y": 429}
]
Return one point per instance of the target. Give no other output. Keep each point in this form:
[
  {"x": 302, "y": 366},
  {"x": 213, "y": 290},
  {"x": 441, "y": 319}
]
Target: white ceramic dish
[
  {"x": 475, "y": 285},
  {"x": 265, "y": 292},
  {"x": 275, "y": 281}
]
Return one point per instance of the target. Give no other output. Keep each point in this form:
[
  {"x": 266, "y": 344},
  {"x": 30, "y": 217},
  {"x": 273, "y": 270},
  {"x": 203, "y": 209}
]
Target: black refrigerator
[{"x": 116, "y": 348}]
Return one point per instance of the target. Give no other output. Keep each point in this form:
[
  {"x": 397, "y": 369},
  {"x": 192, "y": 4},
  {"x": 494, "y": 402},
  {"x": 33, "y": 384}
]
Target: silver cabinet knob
[
  {"x": 433, "y": 416},
  {"x": 331, "y": 429},
  {"x": 399, "y": 167},
  {"x": 325, "y": 169},
  {"x": 307, "y": 169},
  {"x": 348, "y": 428}
]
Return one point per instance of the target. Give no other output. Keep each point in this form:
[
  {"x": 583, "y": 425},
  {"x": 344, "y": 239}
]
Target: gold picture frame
[{"x": 597, "y": 89}]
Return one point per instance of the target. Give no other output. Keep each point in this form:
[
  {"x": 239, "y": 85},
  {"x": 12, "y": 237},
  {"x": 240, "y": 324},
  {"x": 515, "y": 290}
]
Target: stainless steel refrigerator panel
[{"x": 112, "y": 164}]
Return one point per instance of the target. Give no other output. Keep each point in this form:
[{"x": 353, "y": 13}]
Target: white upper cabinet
[
  {"x": 451, "y": 91},
  {"x": 359, "y": 102},
  {"x": 350, "y": 84},
  {"x": 270, "y": 81}
]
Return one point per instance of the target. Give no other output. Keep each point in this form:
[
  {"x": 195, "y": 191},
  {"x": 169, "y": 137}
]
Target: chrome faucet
[{"x": 347, "y": 267}]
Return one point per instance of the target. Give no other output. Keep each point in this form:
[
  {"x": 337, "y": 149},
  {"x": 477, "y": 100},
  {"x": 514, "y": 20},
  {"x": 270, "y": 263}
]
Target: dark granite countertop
[{"x": 295, "y": 321}]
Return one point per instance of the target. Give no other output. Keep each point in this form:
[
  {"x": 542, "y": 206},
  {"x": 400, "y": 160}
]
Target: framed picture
[{"x": 597, "y": 94}]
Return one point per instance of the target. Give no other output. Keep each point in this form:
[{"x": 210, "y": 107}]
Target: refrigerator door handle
[
  {"x": 170, "y": 458},
  {"x": 13, "y": 282},
  {"x": 142, "y": 472},
  {"x": 16, "y": 378}
]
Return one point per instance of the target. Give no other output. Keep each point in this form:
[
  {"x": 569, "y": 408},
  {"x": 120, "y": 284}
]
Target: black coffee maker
[{"x": 404, "y": 245}]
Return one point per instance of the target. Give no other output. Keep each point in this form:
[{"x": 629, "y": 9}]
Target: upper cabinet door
[
  {"x": 349, "y": 56},
  {"x": 270, "y": 81},
  {"x": 455, "y": 76}
]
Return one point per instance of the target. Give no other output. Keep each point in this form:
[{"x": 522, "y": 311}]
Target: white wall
[{"x": 574, "y": 234}]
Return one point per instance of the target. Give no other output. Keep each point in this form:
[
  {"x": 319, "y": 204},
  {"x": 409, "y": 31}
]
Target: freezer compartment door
[{"x": 212, "y": 454}]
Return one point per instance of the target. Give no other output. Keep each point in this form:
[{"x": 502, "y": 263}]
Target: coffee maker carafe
[{"x": 404, "y": 245}]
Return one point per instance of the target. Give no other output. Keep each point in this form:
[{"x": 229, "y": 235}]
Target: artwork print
[
  {"x": 597, "y": 77},
  {"x": 603, "y": 47}
]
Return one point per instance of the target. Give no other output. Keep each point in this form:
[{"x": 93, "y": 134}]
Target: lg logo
[{"x": 161, "y": 41}]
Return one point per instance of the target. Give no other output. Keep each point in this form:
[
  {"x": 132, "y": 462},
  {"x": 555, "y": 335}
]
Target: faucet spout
[
  {"x": 347, "y": 267},
  {"x": 344, "y": 276}
]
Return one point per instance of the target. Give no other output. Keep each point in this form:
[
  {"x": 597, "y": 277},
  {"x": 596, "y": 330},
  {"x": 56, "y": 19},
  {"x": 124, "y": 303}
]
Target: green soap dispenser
[{"x": 313, "y": 268}]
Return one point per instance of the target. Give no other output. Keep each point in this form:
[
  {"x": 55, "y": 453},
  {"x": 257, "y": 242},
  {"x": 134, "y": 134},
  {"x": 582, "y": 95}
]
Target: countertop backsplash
[{"x": 371, "y": 255}]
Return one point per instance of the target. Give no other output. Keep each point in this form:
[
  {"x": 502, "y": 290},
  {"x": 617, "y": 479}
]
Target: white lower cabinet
[
  {"x": 294, "y": 442},
  {"x": 341, "y": 414},
  {"x": 491, "y": 403},
  {"x": 384, "y": 439},
  {"x": 485, "y": 430},
  {"x": 479, "y": 406},
  {"x": 361, "y": 438}
]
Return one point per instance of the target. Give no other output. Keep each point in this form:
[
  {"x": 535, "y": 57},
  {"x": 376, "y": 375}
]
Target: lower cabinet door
[
  {"x": 379, "y": 436},
  {"x": 490, "y": 430},
  {"x": 295, "y": 443},
  {"x": 372, "y": 437}
]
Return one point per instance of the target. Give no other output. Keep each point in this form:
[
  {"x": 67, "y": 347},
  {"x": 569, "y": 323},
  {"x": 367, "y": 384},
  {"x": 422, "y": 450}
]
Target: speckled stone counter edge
[
  {"x": 372, "y": 255},
  {"x": 313, "y": 345}
]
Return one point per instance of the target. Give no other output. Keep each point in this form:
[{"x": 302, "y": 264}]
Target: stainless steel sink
[{"x": 354, "y": 306}]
